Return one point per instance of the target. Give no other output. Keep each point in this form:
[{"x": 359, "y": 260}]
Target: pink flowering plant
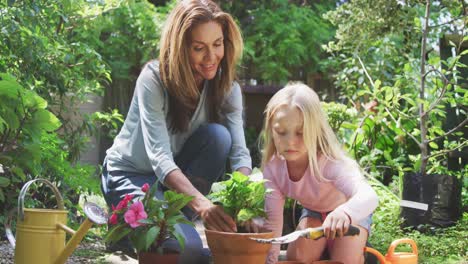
[{"x": 147, "y": 221}]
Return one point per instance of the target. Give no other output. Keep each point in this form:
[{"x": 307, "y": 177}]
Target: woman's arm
[
  {"x": 232, "y": 110},
  {"x": 244, "y": 170}
]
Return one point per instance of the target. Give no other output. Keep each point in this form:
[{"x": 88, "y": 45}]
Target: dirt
[{"x": 87, "y": 252}]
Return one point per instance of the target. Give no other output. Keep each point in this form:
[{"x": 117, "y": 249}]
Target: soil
[{"x": 87, "y": 252}]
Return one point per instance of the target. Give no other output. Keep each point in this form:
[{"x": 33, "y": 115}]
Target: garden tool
[
  {"x": 40, "y": 233},
  {"x": 393, "y": 257},
  {"x": 311, "y": 233}
]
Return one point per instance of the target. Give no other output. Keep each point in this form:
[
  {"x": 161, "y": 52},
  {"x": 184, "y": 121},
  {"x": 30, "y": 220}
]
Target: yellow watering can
[{"x": 40, "y": 233}]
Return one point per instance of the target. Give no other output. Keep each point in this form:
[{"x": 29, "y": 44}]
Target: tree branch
[
  {"x": 443, "y": 152},
  {"x": 451, "y": 131},
  {"x": 402, "y": 128},
  {"x": 441, "y": 95},
  {"x": 423, "y": 118},
  {"x": 365, "y": 71}
]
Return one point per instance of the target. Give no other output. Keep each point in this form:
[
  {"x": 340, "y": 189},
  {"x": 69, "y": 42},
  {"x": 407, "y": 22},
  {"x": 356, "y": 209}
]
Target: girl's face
[
  {"x": 206, "y": 50},
  {"x": 287, "y": 126}
]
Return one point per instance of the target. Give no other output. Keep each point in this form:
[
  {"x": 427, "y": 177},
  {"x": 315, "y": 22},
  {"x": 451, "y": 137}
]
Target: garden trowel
[{"x": 310, "y": 233}]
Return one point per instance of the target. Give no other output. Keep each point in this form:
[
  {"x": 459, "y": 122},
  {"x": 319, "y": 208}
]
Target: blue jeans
[{"x": 202, "y": 159}]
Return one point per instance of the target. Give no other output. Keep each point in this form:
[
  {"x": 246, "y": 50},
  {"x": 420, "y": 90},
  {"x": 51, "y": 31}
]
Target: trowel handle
[{"x": 23, "y": 191}]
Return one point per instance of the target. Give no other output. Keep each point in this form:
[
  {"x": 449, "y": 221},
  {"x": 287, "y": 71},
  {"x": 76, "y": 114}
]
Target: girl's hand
[
  {"x": 254, "y": 225},
  {"x": 336, "y": 224}
]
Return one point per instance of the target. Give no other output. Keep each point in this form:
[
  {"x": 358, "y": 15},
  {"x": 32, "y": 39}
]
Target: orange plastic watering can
[
  {"x": 40, "y": 233},
  {"x": 393, "y": 257}
]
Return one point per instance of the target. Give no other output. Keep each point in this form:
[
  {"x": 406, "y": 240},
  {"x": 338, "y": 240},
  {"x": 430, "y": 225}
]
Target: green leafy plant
[
  {"x": 388, "y": 52},
  {"x": 241, "y": 198},
  {"x": 30, "y": 148},
  {"x": 420, "y": 114},
  {"x": 23, "y": 121},
  {"x": 282, "y": 38},
  {"x": 148, "y": 222}
]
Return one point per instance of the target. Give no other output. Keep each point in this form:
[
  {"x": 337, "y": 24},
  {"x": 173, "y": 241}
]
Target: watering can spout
[{"x": 95, "y": 215}]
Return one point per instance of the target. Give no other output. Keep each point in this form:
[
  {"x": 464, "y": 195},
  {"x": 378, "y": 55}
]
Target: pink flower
[
  {"x": 145, "y": 187},
  {"x": 124, "y": 203},
  {"x": 135, "y": 213},
  {"x": 113, "y": 219}
]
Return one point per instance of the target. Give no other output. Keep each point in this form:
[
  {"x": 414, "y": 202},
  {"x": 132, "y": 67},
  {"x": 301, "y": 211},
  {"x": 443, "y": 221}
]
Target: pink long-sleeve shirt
[{"x": 344, "y": 187}]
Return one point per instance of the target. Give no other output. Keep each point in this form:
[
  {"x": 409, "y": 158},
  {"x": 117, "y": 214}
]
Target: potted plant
[
  {"x": 148, "y": 222},
  {"x": 243, "y": 200}
]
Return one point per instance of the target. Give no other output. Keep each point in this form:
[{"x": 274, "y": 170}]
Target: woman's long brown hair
[{"x": 175, "y": 69}]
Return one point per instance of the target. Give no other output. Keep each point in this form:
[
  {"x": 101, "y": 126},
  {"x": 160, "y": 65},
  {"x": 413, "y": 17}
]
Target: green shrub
[{"x": 31, "y": 148}]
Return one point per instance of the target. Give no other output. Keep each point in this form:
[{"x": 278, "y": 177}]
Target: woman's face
[
  {"x": 206, "y": 50},
  {"x": 287, "y": 125}
]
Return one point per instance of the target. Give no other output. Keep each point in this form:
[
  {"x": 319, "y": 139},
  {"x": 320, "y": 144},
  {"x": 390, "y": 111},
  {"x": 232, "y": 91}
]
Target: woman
[{"x": 185, "y": 118}]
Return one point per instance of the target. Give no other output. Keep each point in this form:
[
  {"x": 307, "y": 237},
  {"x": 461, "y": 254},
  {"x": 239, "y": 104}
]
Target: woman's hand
[
  {"x": 214, "y": 218},
  {"x": 244, "y": 170},
  {"x": 336, "y": 224},
  {"x": 254, "y": 225}
]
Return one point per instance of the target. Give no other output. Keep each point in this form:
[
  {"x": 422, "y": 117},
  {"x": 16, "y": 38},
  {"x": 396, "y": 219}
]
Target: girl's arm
[
  {"x": 274, "y": 206},
  {"x": 362, "y": 199}
]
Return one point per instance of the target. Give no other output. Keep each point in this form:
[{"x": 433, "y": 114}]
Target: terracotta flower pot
[
  {"x": 152, "y": 257},
  {"x": 314, "y": 262},
  {"x": 235, "y": 248}
]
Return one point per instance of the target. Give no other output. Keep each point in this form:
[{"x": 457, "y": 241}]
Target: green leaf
[
  {"x": 433, "y": 145},
  {"x": 138, "y": 239},
  {"x": 4, "y": 182},
  {"x": 46, "y": 120},
  {"x": 245, "y": 214},
  {"x": 151, "y": 236},
  {"x": 117, "y": 233},
  {"x": 377, "y": 84},
  {"x": 180, "y": 239},
  {"x": 3, "y": 125},
  {"x": 18, "y": 172},
  {"x": 9, "y": 87},
  {"x": 146, "y": 221}
]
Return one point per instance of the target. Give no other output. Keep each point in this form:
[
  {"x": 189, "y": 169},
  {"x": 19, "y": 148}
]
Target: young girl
[{"x": 302, "y": 159}]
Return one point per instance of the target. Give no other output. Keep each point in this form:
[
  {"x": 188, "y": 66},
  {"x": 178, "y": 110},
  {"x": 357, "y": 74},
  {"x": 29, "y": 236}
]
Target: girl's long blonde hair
[
  {"x": 175, "y": 69},
  {"x": 318, "y": 136}
]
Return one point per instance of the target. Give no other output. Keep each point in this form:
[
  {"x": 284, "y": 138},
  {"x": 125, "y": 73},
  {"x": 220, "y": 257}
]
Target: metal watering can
[
  {"x": 40, "y": 233},
  {"x": 393, "y": 257}
]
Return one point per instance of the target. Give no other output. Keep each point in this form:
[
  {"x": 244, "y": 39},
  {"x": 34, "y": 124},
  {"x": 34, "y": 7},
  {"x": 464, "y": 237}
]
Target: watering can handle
[
  {"x": 23, "y": 191},
  {"x": 395, "y": 243}
]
